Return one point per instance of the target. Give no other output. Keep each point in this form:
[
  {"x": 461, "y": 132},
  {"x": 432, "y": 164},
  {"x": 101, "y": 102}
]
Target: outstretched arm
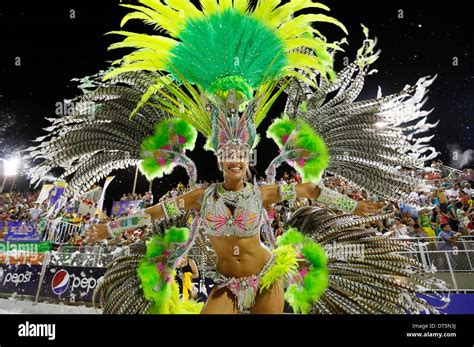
[
  {"x": 184, "y": 202},
  {"x": 271, "y": 195}
]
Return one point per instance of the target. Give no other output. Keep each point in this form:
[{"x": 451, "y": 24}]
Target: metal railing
[
  {"x": 86, "y": 256},
  {"x": 432, "y": 252},
  {"x": 60, "y": 232},
  {"x": 453, "y": 263}
]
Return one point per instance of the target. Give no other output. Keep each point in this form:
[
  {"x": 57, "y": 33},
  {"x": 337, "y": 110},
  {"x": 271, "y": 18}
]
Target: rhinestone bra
[{"x": 218, "y": 219}]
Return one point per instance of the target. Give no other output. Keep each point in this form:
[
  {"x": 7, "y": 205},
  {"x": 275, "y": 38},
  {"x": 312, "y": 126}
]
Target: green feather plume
[
  {"x": 290, "y": 237},
  {"x": 223, "y": 45},
  {"x": 173, "y": 135},
  {"x": 304, "y": 149},
  {"x": 246, "y": 56},
  {"x": 176, "y": 235},
  {"x": 158, "y": 281},
  {"x": 315, "y": 281},
  {"x": 286, "y": 263}
]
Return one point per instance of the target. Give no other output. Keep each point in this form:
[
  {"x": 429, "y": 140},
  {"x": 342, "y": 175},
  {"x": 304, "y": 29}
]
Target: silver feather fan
[
  {"x": 369, "y": 141},
  {"x": 368, "y": 273},
  {"x": 98, "y": 135}
]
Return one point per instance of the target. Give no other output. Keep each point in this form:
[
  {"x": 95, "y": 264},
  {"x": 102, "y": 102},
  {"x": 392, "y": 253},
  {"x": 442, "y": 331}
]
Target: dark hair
[
  {"x": 416, "y": 225},
  {"x": 444, "y": 225},
  {"x": 459, "y": 204}
]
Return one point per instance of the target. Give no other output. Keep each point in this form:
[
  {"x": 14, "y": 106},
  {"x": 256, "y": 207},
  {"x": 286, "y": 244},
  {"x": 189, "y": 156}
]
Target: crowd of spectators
[
  {"x": 18, "y": 206},
  {"x": 147, "y": 198},
  {"x": 444, "y": 212}
]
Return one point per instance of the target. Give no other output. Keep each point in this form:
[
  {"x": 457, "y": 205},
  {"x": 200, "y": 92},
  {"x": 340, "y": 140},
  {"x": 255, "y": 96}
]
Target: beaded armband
[
  {"x": 170, "y": 208},
  {"x": 287, "y": 191},
  {"x": 333, "y": 199},
  {"x": 135, "y": 221}
]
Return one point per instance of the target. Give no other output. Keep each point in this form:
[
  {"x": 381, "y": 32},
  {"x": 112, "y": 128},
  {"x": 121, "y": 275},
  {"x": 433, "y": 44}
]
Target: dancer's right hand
[{"x": 97, "y": 232}]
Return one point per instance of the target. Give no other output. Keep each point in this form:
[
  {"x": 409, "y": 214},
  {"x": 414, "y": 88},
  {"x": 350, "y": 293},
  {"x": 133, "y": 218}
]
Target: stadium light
[{"x": 11, "y": 166}]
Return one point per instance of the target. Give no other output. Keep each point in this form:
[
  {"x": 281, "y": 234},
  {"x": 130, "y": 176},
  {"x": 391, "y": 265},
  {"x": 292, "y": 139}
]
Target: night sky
[{"x": 42, "y": 48}]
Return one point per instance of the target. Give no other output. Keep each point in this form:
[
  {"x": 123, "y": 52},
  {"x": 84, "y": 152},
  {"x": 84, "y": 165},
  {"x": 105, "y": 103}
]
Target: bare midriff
[{"x": 239, "y": 256}]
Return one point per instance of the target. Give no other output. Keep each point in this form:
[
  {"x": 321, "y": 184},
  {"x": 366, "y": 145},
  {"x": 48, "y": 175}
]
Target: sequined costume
[
  {"x": 246, "y": 219},
  {"x": 217, "y": 72}
]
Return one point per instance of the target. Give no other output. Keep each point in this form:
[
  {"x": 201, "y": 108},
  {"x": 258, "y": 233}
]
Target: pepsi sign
[
  {"x": 60, "y": 282},
  {"x": 71, "y": 284}
]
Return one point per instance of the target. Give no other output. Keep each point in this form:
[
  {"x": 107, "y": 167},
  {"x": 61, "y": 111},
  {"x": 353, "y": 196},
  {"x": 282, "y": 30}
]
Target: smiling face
[
  {"x": 234, "y": 170},
  {"x": 233, "y": 161}
]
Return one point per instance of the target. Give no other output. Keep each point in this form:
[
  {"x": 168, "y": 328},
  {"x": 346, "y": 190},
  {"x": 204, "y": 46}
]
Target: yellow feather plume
[
  {"x": 264, "y": 8},
  {"x": 172, "y": 21},
  {"x": 225, "y": 4},
  {"x": 209, "y": 6},
  {"x": 153, "y": 53},
  {"x": 155, "y": 42},
  {"x": 137, "y": 15},
  {"x": 187, "y": 8},
  {"x": 146, "y": 55},
  {"x": 304, "y": 42},
  {"x": 153, "y": 15},
  {"x": 242, "y": 5},
  {"x": 301, "y": 61},
  {"x": 302, "y": 24}
]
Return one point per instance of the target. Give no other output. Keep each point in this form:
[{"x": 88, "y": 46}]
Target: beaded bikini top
[{"x": 243, "y": 218}]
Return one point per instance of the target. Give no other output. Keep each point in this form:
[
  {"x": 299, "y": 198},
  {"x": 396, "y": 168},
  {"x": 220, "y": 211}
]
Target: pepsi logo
[{"x": 60, "y": 282}]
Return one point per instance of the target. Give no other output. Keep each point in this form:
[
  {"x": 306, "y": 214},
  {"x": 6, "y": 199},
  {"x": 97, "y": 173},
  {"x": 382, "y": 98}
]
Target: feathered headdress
[
  {"x": 217, "y": 68},
  {"x": 214, "y": 62}
]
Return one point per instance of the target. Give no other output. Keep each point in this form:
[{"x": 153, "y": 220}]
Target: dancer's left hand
[
  {"x": 97, "y": 232},
  {"x": 366, "y": 207}
]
